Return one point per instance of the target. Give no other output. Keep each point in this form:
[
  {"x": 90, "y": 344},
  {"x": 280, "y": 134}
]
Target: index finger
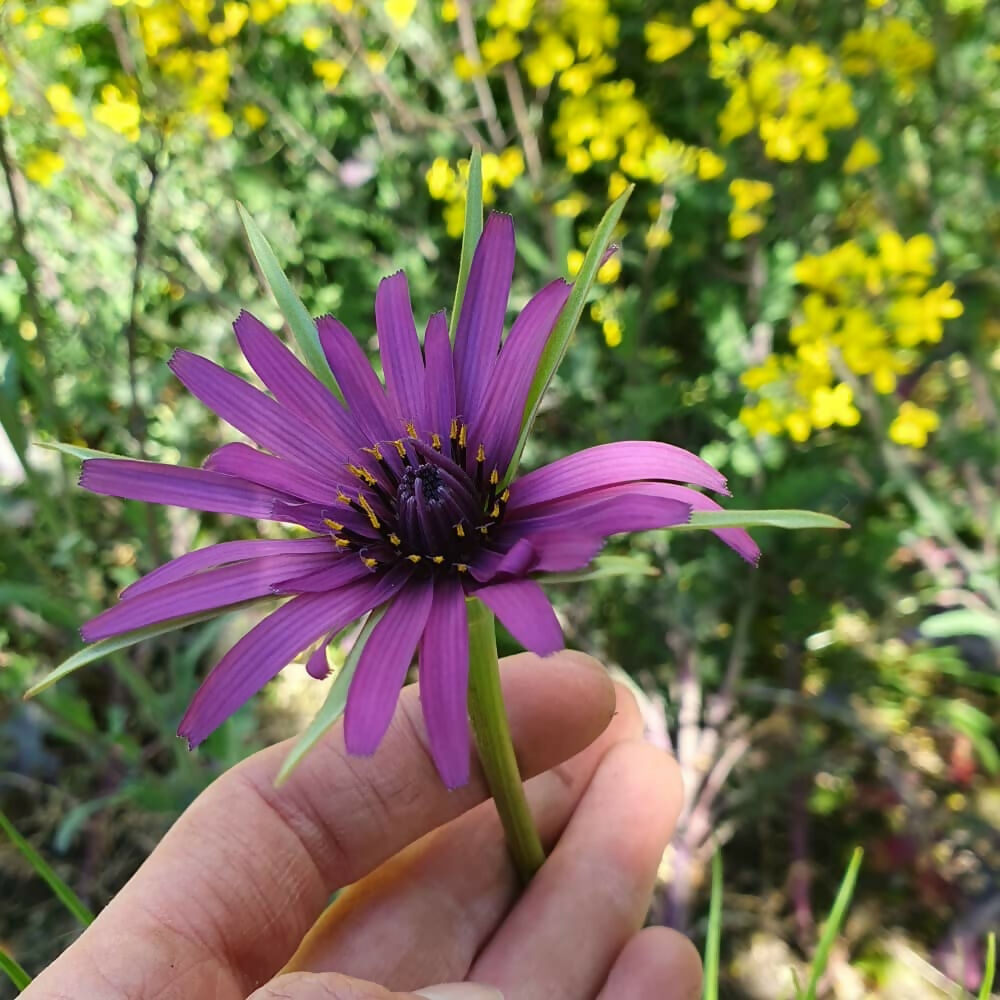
[{"x": 226, "y": 898}]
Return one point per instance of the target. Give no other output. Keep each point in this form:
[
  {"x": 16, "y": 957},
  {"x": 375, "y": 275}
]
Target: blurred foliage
[{"x": 804, "y": 295}]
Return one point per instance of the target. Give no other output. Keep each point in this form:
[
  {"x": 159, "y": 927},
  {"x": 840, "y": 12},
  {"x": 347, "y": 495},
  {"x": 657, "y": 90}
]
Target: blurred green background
[{"x": 803, "y": 296}]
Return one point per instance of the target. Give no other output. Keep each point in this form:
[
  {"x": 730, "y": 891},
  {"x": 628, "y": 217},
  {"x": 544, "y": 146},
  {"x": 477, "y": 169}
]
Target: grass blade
[
  {"x": 562, "y": 332},
  {"x": 990, "y": 971},
  {"x": 296, "y": 315},
  {"x": 74, "y": 451},
  {"x": 833, "y": 923},
  {"x": 13, "y": 971},
  {"x": 470, "y": 235},
  {"x": 333, "y": 708},
  {"x": 713, "y": 938},
  {"x": 97, "y": 650},
  {"x": 63, "y": 892},
  {"x": 604, "y": 566},
  {"x": 791, "y": 520}
]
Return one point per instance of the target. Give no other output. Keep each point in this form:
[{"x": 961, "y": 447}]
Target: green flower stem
[{"x": 496, "y": 752}]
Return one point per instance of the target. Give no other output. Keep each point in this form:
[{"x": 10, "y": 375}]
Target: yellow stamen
[
  {"x": 375, "y": 451},
  {"x": 410, "y": 429},
  {"x": 481, "y": 454},
  {"x": 394, "y": 539},
  {"x": 462, "y": 435},
  {"x": 438, "y": 560},
  {"x": 460, "y": 531},
  {"x": 399, "y": 447},
  {"x": 342, "y": 543},
  {"x": 436, "y": 442},
  {"x": 494, "y": 477},
  {"x": 496, "y": 510},
  {"x": 363, "y": 474},
  {"x": 462, "y": 567},
  {"x": 505, "y": 496},
  {"x": 370, "y": 563},
  {"x": 367, "y": 507},
  {"x": 453, "y": 433},
  {"x": 333, "y": 525},
  {"x": 343, "y": 497},
  {"x": 413, "y": 558}
]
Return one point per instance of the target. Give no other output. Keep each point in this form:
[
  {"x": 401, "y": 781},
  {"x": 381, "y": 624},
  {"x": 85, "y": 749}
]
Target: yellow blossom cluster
[
  {"x": 863, "y": 316},
  {"x": 449, "y": 184},
  {"x": 749, "y": 198},
  {"x": 793, "y": 97},
  {"x": 894, "y": 47}
]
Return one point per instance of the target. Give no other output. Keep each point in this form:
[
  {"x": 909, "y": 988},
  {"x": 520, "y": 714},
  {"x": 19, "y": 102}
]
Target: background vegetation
[{"x": 803, "y": 295}]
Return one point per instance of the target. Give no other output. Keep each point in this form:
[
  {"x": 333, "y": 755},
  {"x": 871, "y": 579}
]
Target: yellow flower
[
  {"x": 509, "y": 166},
  {"x": 55, "y": 17},
  {"x": 610, "y": 270},
  {"x": 514, "y": 14},
  {"x": 658, "y": 237},
  {"x": 42, "y": 166},
  {"x": 254, "y": 116},
  {"x": 757, "y": 6},
  {"x": 912, "y": 425},
  {"x": 219, "y": 123},
  {"x": 313, "y": 37},
  {"x": 616, "y": 185},
  {"x": 744, "y": 224},
  {"x": 574, "y": 261},
  {"x": 748, "y": 194},
  {"x": 120, "y": 112},
  {"x": 666, "y": 40},
  {"x": 465, "y": 68},
  {"x": 400, "y": 11},
  {"x": 60, "y": 99},
  {"x": 503, "y": 47},
  {"x": 797, "y": 426},
  {"x": 863, "y": 154},
  {"x": 718, "y": 18},
  {"x": 552, "y": 56},
  {"x": 612, "y": 330},
  {"x": 449, "y": 11},
  {"x": 710, "y": 165},
  {"x": 833, "y": 406},
  {"x": 329, "y": 71},
  {"x": 442, "y": 181},
  {"x": 569, "y": 207}
]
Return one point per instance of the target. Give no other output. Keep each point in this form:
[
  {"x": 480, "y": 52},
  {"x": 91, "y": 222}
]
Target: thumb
[{"x": 331, "y": 986}]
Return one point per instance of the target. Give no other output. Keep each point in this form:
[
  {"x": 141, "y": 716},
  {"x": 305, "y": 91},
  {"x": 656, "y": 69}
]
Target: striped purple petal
[
  {"x": 382, "y": 666},
  {"x": 444, "y": 681},
  {"x": 241, "y": 460},
  {"x": 498, "y": 423},
  {"x": 212, "y": 588},
  {"x": 610, "y": 465},
  {"x": 484, "y": 307},
  {"x": 358, "y": 382},
  {"x": 400, "y": 348},
  {"x": 525, "y": 611},
  {"x": 604, "y": 517},
  {"x": 293, "y": 385},
  {"x": 345, "y": 570},
  {"x": 271, "y": 645},
  {"x": 219, "y": 555},
  {"x": 254, "y": 413},
  {"x": 318, "y": 666},
  {"x": 178, "y": 486},
  {"x": 440, "y": 381}
]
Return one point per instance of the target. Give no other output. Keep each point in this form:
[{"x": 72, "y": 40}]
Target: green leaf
[
  {"x": 296, "y": 315},
  {"x": 76, "y": 452},
  {"x": 97, "y": 650},
  {"x": 470, "y": 235},
  {"x": 832, "y": 926},
  {"x": 990, "y": 971},
  {"x": 961, "y": 621},
  {"x": 789, "y": 519},
  {"x": 63, "y": 892},
  {"x": 604, "y": 566},
  {"x": 13, "y": 971},
  {"x": 336, "y": 701},
  {"x": 713, "y": 937},
  {"x": 562, "y": 332}
]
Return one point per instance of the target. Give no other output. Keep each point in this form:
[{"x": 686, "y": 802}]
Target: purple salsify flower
[{"x": 401, "y": 489}]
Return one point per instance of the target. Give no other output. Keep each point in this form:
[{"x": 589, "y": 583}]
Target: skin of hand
[{"x": 233, "y": 902}]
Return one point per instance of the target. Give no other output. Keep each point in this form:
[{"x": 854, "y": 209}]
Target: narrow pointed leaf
[
  {"x": 990, "y": 970},
  {"x": 13, "y": 971},
  {"x": 604, "y": 566},
  {"x": 713, "y": 936},
  {"x": 63, "y": 892},
  {"x": 789, "y": 519},
  {"x": 296, "y": 315},
  {"x": 833, "y": 923},
  {"x": 336, "y": 701},
  {"x": 74, "y": 451},
  {"x": 470, "y": 235},
  {"x": 102, "y": 648},
  {"x": 558, "y": 343}
]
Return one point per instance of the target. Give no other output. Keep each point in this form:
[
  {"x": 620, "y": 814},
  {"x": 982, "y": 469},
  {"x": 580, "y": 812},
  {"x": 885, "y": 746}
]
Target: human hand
[{"x": 237, "y": 891}]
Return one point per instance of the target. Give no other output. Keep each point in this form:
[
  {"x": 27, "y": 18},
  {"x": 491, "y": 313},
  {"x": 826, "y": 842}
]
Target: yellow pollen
[
  {"x": 460, "y": 531},
  {"x": 462, "y": 435},
  {"x": 481, "y": 454},
  {"x": 453, "y": 433},
  {"x": 484, "y": 528},
  {"x": 333, "y": 525},
  {"x": 367, "y": 507},
  {"x": 342, "y": 543},
  {"x": 505, "y": 496},
  {"x": 343, "y": 497},
  {"x": 494, "y": 477},
  {"x": 394, "y": 539},
  {"x": 496, "y": 510},
  {"x": 370, "y": 563},
  {"x": 438, "y": 560},
  {"x": 399, "y": 447},
  {"x": 375, "y": 451},
  {"x": 413, "y": 558},
  {"x": 410, "y": 429},
  {"x": 363, "y": 474},
  {"x": 462, "y": 567},
  {"x": 436, "y": 442}
]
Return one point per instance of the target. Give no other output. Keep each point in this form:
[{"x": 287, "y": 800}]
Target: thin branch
[{"x": 470, "y": 48}]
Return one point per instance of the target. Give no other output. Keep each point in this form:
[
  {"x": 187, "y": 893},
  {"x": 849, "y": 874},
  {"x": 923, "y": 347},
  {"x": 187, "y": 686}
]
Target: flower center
[{"x": 416, "y": 502}]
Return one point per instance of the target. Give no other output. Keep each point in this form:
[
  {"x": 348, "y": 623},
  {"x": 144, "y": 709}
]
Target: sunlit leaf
[
  {"x": 296, "y": 315},
  {"x": 336, "y": 701},
  {"x": 74, "y": 451},
  {"x": 604, "y": 566},
  {"x": 961, "y": 621},
  {"x": 990, "y": 969},
  {"x": 470, "y": 235},
  {"x": 788, "y": 519}
]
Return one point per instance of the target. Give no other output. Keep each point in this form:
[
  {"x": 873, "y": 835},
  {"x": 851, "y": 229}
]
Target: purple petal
[
  {"x": 399, "y": 347},
  {"x": 219, "y": 555},
  {"x": 318, "y": 666},
  {"x": 517, "y": 559},
  {"x": 604, "y": 517},
  {"x": 255, "y": 414},
  {"x": 178, "y": 486},
  {"x": 293, "y": 385},
  {"x": 213, "y": 588},
  {"x": 440, "y": 380},
  {"x": 345, "y": 570},
  {"x": 480, "y": 323},
  {"x": 268, "y": 647},
  {"x": 444, "y": 682},
  {"x": 498, "y": 423},
  {"x": 241, "y": 460},
  {"x": 381, "y": 671},
  {"x": 360, "y": 385},
  {"x": 609, "y": 465},
  {"x": 524, "y": 610}
]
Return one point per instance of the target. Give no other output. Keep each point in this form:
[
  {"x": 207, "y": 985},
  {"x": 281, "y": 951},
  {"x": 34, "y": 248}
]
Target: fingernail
[{"x": 459, "y": 991}]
